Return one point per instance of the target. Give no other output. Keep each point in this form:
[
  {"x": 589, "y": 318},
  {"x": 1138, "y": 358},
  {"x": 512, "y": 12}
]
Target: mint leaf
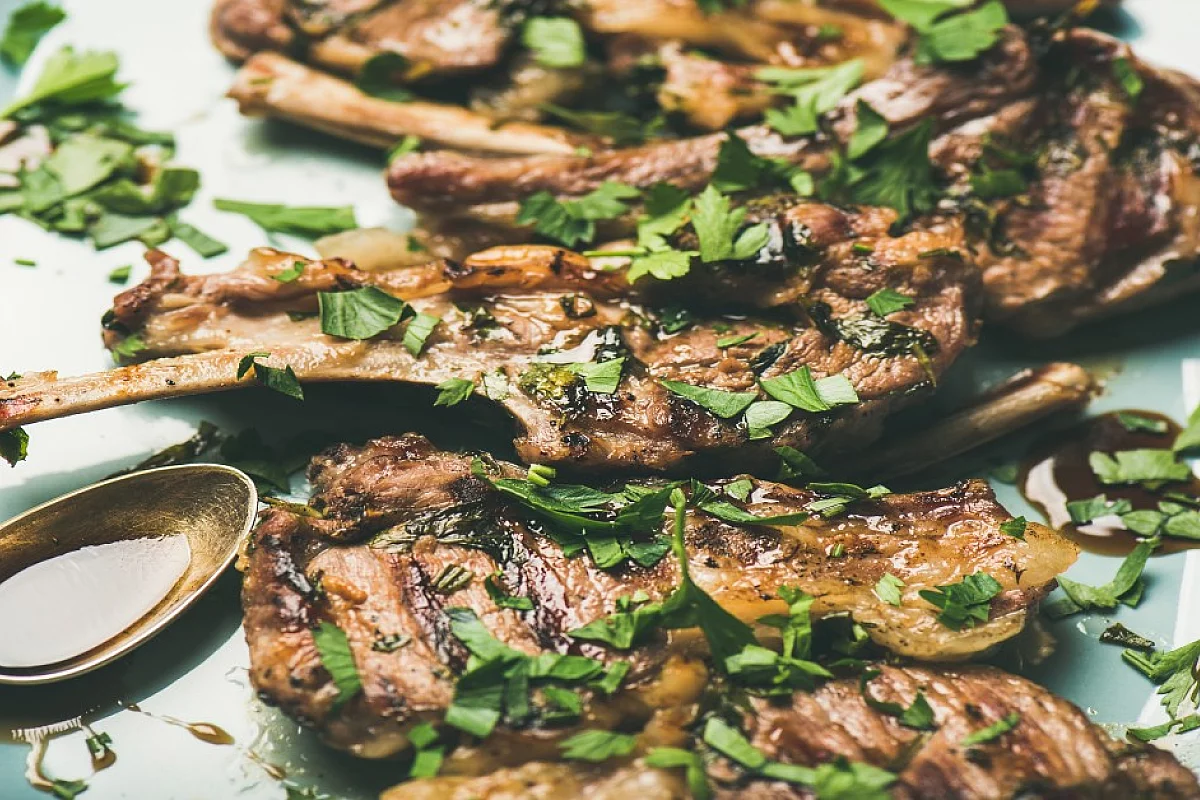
[
  {"x": 800, "y": 390},
  {"x": 724, "y": 404},
  {"x": 359, "y": 313}
]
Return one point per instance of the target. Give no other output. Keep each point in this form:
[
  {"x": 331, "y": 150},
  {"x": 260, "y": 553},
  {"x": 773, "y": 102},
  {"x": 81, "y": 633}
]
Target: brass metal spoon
[{"x": 203, "y": 512}]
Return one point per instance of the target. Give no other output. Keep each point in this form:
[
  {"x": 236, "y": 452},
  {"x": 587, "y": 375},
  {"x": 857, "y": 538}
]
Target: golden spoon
[{"x": 91, "y": 575}]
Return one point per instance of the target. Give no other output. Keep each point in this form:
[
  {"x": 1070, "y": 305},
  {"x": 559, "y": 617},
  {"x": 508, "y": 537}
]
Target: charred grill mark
[{"x": 427, "y": 611}]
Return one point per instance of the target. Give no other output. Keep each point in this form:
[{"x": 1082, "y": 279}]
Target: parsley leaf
[
  {"x": 1014, "y": 527},
  {"x": 633, "y": 619},
  {"x": 717, "y": 228},
  {"x": 27, "y": 25},
  {"x": 283, "y": 380},
  {"x": 1127, "y": 76},
  {"x": 1140, "y": 423},
  {"x": 1189, "y": 438},
  {"x": 360, "y": 313},
  {"x": 556, "y": 42},
  {"x": 70, "y": 79},
  {"x": 945, "y": 35},
  {"x": 762, "y": 414},
  {"x": 380, "y": 74},
  {"x": 1083, "y": 511},
  {"x": 966, "y": 603},
  {"x": 661, "y": 264},
  {"x": 333, "y": 647},
  {"x": 1174, "y": 671},
  {"x": 993, "y": 731},
  {"x": 919, "y": 715},
  {"x": 872, "y": 129},
  {"x": 815, "y": 90},
  {"x": 204, "y": 245},
  {"x": 800, "y": 390},
  {"x": 888, "y": 589},
  {"x": 895, "y": 173},
  {"x": 14, "y": 446},
  {"x": 692, "y": 763},
  {"x": 1125, "y": 587},
  {"x": 888, "y": 301},
  {"x": 453, "y": 391},
  {"x": 311, "y": 221},
  {"x": 1182, "y": 725},
  {"x": 418, "y": 330},
  {"x": 290, "y": 274},
  {"x": 572, "y": 221},
  {"x": 724, "y": 404},
  {"x": 503, "y": 599},
  {"x": 597, "y": 746},
  {"x": 427, "y": 756},
  {"x": 599, "y": 377},
  {"x": 1138, "y": 466}
]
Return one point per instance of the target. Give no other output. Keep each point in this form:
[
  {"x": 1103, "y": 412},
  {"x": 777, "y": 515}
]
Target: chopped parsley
[
  {"x": 26, "y": 27},
  {"x": 310, "y": 221},
  {"x": 1126, "y": 586},
  {"x": 290, "y": 273},
  {"x": 719, "y": 229},
  {"x": 1014, "y": 527},
  {"x": 360, "y": 313},
  {"x": 453, "y": 578},
  {"x": 120, "y": 274},
  {"x": 1138, "y": 466},
  {"x": 918, "y": 715},
  {"x": 556, "y": 42},
  {"x": 1174, "y": 672},
  {"x": 814, "y": 91},
  {"x": 381, "y": 74},
  {"x": 1119, "y": 634},
  {"x": 71, "y": 78},
  {"x": 895, "y": 172},
  {"x": 601, "y": 377},
  {"x": 418, "y": 331},
  {"x": 799, "y": 390},
  {"x": 871, "y": 130},
  {"x": 1182, "y": 725},
  {"x": 888, "y": 589},
  {"x": 409, "y": 144},
  {"x": 733, "y": 341},
  {"x": 453, "y": 391},
  {"x": 14, "y": 446},
  {"x": 282, "y": 380},
  {"x": 1083, "y": 511},
  {"x": 1128, "y": 78},
  {"x": 570, "y": 222},
  {"x": 597, "y": 746},
  {"x": 333, "y": 647},
  {"x": 888, "y": 301},
  {"x": 950, "y": 30},
  {"x": 692, "y": 764},
  {"x": 427, "y": 753},
  {"x": 966, "y": 603},
  {"x": 1189, "y": 438},
  {"x": 993, "y": 731},
  {"x": 503, "y": 599},
  {"x": 1140, "y": 423},
  {"x": 725, "y": 405},
  {"x": 762, "y": 414}
]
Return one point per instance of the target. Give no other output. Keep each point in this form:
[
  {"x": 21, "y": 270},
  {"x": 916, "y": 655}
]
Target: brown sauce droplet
[
  {"x": 204, "y": 731},
  {"x": 1056, "y": 472}
]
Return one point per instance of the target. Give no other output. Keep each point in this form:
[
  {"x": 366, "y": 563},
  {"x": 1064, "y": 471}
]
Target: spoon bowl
[{"x": 166, "y": 534}]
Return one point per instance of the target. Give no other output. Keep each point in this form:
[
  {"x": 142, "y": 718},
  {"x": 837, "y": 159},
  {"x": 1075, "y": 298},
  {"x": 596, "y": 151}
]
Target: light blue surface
[{"x": 1141, "y": 354}]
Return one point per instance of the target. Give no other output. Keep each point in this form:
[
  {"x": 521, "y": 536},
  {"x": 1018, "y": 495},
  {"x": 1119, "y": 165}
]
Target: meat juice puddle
[
  {"x": 65, "y": 606},
  {"x": 1057, "y": 472}
]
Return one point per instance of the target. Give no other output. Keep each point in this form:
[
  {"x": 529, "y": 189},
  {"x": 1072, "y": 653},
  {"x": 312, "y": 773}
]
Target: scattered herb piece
[
  {"x": 1189, "y": 438},
  {"x": 993, "y": 731},
  {"x": 452, "y": 578},
  {"x": 888, "y": 301},
  {"x": 724, "y": 404},
  {"x": 360, "y": 313},
  {"x": 1014, "y": 527},
  {"x": 453, "y": 391},
  {"x": 380, "y": 77},
  {"x": 14, "y": 446},
  {"x": 1174, "y": 671},
  {"x": 966, "y": 603},
  {"x": 733, "y": 341},
  {"x": 67, "y": 789},
  {"x": 290, "y": 274},
  {"x": 800, "y": 390},
  {"x": 888, "y": 589},
  {"x": 573, "y": 221},
  {"x": 872, "y": 129},
  {"x": 409, "y": 144},
  {"x": 1083, "y": 511},
  {"x": 1125, "y": 587},
  {"x": 503, "y": 599},
  {"x": 282, "y": 380},
  {"x": 719, "y": 229},
  {"x": 333, "y": 647},
  {"x": 1119, "y": 634},
  {"x": 1138, "y": 466},
  {"x": 71, "y": 78},
  {"x": 949, "y": 30},
  {"x": 918, "y": 715},
  {"x": 597, "y": 746},
  {"x": 692, "y": 764},
  {"x": 204, "y": 245},
  {"x": 26, "y": 27},
  {"x": 1128, "y": 78},
  {"x": 427, "y": 755},
  {"x": 600, "y": 377},
  {"x": 1182, "y": 725},
  {"x": 556, "y": 42},
  {"x": 120, "y": 274},
  {"x": 389, "y": 643},
  {"x": 1139, "y": 423},
  {"x": 815, "y": 91},
  {"x": 762, "y": 414},
  {"x": 418, "y": 331},
  {"x": 310, "y": 221}
]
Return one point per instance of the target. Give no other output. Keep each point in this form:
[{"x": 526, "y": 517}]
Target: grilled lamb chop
[
  {"x": 1102, "y": 218},
  {"x": 510, "y": 313},
  {"x": 426, "y": 511},
  {"x": 1054, "y": 751}
]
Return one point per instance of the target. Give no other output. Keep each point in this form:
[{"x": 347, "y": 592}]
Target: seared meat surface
[
  {"x": 396, "y": 514},
  {"x": 512, "y": 317},
  {"x": 1054, "y": 751}
]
